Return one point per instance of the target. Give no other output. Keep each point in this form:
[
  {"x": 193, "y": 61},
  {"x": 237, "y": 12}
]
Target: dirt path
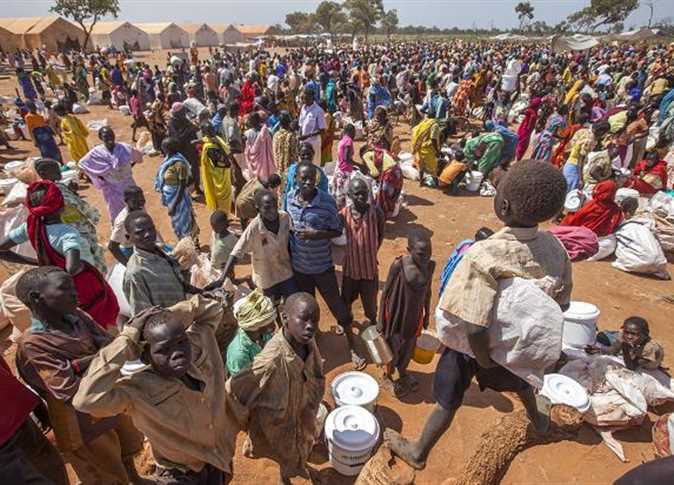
[{"x": 450, "y": 219}]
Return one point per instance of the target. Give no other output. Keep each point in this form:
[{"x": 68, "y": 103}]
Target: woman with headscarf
[
  {"x": 650, "y": 175},
  {"x": 60, "y": 245},
  {"x": 171, "y": 182},
  {"x": 109, "y": 166},
  {"x": 248, "y": 93},
  {"x": 602, "y": 215},
  {"x": 548, "y": 137},
  {"x": 384, "y": 169},
  {"x": 426, "y": 146},
  {"x": 216, "y": 161},
  {"x": 527, "y": 128},
  {"x": 379, "y": 130},
  {"x": 259, "y": 149}
]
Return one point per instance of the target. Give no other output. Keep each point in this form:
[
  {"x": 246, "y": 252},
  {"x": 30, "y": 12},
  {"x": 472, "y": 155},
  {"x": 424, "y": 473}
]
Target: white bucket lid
[
  {"x": 579, "y": 310},
  {"x": 352, "y": 428},
  {"x": 561, "y": 389},
  {"x": 8, "y": 182},
  {"x": 355, "y": 388}
]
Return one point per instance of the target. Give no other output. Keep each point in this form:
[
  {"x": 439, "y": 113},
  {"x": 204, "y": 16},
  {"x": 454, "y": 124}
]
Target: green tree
[
  {"x": 389, "y": 22},
  {"x": 603, "y": 12},
  {"x": 86, "y": 13},
  {"x": 301, "y": 22},
  {"x": 524, "y": 11},
  {"x": 364, "y": 14},
  {"x": 330, "y": 16}
]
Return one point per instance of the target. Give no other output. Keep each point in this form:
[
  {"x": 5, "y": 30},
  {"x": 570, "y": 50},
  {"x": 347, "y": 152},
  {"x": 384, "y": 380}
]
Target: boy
[
  {"x": 222, "y": 241},
  {"x": 120, "y": 245},
  {"x": 177, "y": 398},
  {"x": 531, "y": 192},
  {"x": 634, "y": 344},
  {"x": 405, "y": 308},
  {"x": 278, "y": 397},
  {"x": 364, "y": 224},
  {"x": 52, "y": 357}
]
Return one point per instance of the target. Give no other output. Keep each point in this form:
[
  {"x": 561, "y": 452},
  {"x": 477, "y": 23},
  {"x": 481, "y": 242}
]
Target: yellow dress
[
  {"x": 217, "y": 180},
  {"x": 424, "y": 137},
  {"x": 75, "y": 137}
]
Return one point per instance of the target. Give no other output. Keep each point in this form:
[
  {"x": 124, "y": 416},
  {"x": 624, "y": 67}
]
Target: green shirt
[{"x": 242, "y": 350}]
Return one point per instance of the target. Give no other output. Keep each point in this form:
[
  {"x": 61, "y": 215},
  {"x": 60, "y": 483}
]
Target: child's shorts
[{"x": 455, "y": 371}]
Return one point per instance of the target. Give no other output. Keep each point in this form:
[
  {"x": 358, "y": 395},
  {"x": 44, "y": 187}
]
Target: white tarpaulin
[
  {"x": 576, "y": 42},
  {"x": 638, "y": 34}
]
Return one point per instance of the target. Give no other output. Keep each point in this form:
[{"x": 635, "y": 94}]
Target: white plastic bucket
[
  {"x": 352, "y": 433},
  {"x": 355, "y": 389},
  {"x": 473, "y": 181},
  {"x": 580, "y": 325}
]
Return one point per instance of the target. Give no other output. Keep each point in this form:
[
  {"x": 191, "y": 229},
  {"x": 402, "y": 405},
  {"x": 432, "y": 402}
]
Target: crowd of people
[{"x": 269, "y": 140}]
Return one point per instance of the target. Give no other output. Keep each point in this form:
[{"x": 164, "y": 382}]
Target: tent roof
[
  {"x": 155, "y": 28},
  {"x": 25, "y": 25},
  {"x": 222, "y": 27},
  {"x": 107, "y": 27},
  {"x": 253, "y": 29},
  {"x": 193, "y": 28}
]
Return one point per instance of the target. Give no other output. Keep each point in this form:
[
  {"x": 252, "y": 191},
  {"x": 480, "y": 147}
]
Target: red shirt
[{"x": 17, "y": 403}]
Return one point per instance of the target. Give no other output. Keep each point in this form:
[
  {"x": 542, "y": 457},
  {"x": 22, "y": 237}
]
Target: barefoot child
[
  {"x": 405, "y": 307},
  {"x": 177, "y": 399},
  {"x": 364, "y": 225},
  {"x": 531, "y": 193},
  {"x": 52, "y": 357},
  {"x": 278, "y": 397}
]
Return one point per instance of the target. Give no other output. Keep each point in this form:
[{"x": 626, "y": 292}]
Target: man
[
  {"x": 277, "y": 399},
  {"x": 312, "y": 123},
  {"x": 315, "y": 222}
]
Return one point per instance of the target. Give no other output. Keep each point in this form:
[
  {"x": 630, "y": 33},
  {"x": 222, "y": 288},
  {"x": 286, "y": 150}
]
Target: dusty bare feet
[{"x": 403, "y": 448}]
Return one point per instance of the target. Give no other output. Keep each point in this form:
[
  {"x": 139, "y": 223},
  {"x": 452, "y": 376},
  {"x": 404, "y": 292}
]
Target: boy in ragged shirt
[{"x": 530, "y": 193}]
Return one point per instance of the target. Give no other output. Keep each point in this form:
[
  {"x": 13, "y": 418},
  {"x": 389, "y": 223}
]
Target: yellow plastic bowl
[{"x": 422, "y": 356}]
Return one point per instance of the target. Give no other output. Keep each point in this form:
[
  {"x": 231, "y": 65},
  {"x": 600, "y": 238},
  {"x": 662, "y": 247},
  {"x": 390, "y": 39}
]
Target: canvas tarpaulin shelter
[
  {"x": 9, "y": 41},
  {"x": 165, "y": 35},
  {"x": 202, "y": 35},
  {"x": 117, "y": 34},
  {"x": 576, "y": 42},
  {"x": 54, "y": 33},
  {"x": 229, "y": 34}
]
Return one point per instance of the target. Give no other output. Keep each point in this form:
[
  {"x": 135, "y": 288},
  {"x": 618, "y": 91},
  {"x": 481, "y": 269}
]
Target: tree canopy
[
  {"x": 389, "y": 22},
  {"x": 330, "y": 16},
  {"x": 603, "y": 12},
  {"x": 365, "y": 14},
  {"x": 525, "y": 11},
  {"x": 86, "y": 13}
]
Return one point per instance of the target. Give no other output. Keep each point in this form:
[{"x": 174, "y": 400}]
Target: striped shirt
[{"x": 362, "y": 243}]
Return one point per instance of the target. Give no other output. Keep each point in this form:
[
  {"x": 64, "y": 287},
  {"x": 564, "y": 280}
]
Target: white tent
[
  {"x": 116, "y": 34},
  {"x": 201, "y": 34},
  {"x": 166, "y": 35},
  {"x": 576, "y": 42},
  {"x": 229, "y": 34},
  {"x": 643, "y": 33}
]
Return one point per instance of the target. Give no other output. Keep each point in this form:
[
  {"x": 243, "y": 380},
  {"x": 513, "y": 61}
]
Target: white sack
[
  {"x": 607, "y": 245},
  {"x": 637, "y": 250},
  {"x": 115, "y": 279}
]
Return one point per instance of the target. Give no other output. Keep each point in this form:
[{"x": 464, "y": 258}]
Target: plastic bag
[
  {"x": 638, "y": 250},
  {"x": 115, "y": 279},
  {"x": 410, "y": 172}
]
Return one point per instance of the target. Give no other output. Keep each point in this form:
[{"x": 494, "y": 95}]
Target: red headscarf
[
  {"x": 51, "y": 203},
  {"x": 601, "y": 214}
]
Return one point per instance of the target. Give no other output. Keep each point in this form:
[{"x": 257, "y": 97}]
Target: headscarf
[
  {"x": 51, "y": 204},
  {"x": 602, "y": 215},
  {"x": 254, "y": 312},
  {"x": 176, "y": 107}
]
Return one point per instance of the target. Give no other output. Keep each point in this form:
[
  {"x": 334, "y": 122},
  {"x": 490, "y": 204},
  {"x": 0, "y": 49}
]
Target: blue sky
[{"x": 443, "y": 13}]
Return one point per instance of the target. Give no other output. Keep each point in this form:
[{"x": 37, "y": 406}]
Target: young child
[
  {"x": 52, "y": 357},
  {"x": 405, "y": 308},
  {"x": 364, "y": 225},
  {"x": 531, "y": 193},
  {"x": 453, "y": 174},
  {"x": 222, "y": 241},
  {"x": 633, "y": 343},
  {"x": 278, "y": 397},
  {"x": 177, "y": 398}
]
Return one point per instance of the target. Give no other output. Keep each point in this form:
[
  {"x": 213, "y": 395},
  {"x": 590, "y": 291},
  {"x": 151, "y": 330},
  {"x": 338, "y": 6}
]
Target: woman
[
  {"x": 382, "y": 167},
  {"x": 60, "y": 245},
  {"x": 285, "y": 144},
  {"x": 548, "y": 137},
  {"x": 74, "y": 133},
  {"x": 426, "y": 146},
  {"x": 156, "y": 123},
  {"x": 650, "y": 175},
  {"x": 185, "y": 132},
  {"x": 565, "y": 136},
  {"x": 171, "y": 182},
  {"x": 527, "y": 128},
  {"x": 345, "y": 164},
  {"x": 484, "y": 151},
  {"x": 602, "y": 215},
  {"x": 216, "y": 161},
  {"x": 462, "y": 95},
  {"x": 379, "y": 130},
  {"x": 327, "y": 135},
  {"x": 109, "y": 166},
  {"x": 26, "y": 84},
  {"x": 259, "y": 150},
  {"x": 248, "y": 93}
]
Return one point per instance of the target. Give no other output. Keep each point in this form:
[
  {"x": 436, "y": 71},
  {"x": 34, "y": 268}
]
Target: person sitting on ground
[
  {"x": 277, "y": 398},
  {"x": 405, "y": 308},
  {"x": 453, "y": 174},
  {"x": 530, "y": 193},
  {"x": 602, "y": 215},
  {"x": 457, "y": 255},
  {"x": 315, "y": 222},
  {"x": 255, "y": 316},
  {"x": 245, "y": 200},
  {"x": 177, "y": 397},
  {"x": 364, "y": 226},
  {"x": 633, "y": 343},
  {"x": 650, "y": 175},
  {"x": 222, "y": 240},
  {"x": 52, "y": 357}
]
